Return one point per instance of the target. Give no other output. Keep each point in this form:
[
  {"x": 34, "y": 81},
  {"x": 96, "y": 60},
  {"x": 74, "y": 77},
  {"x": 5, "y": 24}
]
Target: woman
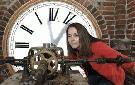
[{"x": 81, "y": 45}]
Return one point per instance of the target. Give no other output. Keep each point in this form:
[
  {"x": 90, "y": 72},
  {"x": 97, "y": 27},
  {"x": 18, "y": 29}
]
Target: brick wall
[
  {"x": 120, "y": 17},
  {"x": 131, "y": 22}
]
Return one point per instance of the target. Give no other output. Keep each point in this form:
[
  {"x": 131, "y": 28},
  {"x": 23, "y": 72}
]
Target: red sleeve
[
  {"x": 111, "y": 71},
  {"x": 100, "y": 49}
]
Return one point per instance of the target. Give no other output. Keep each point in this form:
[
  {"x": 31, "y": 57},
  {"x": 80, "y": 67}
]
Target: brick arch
[
  {"x": 100, "y": 12},
  {"x": 100, "y": 20},
  {"x": 93, "y": 6},
  {"x": 98, "y": 16}
]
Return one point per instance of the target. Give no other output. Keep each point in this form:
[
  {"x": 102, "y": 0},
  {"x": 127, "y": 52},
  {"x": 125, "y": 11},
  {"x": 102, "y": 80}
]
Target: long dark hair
[{"x": 84, "y": 39}]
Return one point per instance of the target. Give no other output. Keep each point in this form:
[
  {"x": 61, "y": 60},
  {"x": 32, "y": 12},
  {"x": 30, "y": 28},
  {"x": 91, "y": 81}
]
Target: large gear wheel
[{"x": 37, "y": 54}]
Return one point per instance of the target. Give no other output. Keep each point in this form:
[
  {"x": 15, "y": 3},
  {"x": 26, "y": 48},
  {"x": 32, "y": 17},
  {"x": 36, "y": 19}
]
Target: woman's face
[{"x": 73, "y": 37}]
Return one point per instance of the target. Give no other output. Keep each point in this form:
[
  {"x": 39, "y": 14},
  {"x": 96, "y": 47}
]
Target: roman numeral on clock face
[
  {"x": 26, "y": 29},
  {"x": 53, "y": 13},
  {"x": 38, "y": 18},
  {"x": 69, "y": 17},
  {"x": 21, "y": 45}
]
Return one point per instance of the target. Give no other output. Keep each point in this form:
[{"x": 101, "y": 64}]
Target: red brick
[
  {"x": 7, "y": 14},
  {"x": 17, "y": 4},
  {"x": 120, "y": 22},
  {"x": 131, "y": 9},
  {"x": 101, "y": 22},
  {"x": 3, "y": 23},
  {"x": 112, "y": 36},
  {"x": 120, "y": 36},
  {"x": 129, "y": 36},
  {"x": 96, "y": 14},
  {"x": 11, "y": 11},
  {"x": 109, "y": 17},
  {"x": 110, "y": 27},
  {"x": 102, "y": 26},
  {"x": 132, "y": 20},
  {"x": 93, "y": 10},
  {"x": 99, "y": 18},
  {"x": 104, "y": 32},
  {"x": 3, "y": 7},
  {"x": 130, "y": 26},
  {"x": 129, "y": 31},
  {"x": 133, "y": 36},
  {"x": 5, "y": 19},
  {"x": 120, "y": 16},
  {"x": 131, "y": 15},
  {"x": 109, "y": 3},
  {"x": 87, "y": 3},
  {"x": 120, "y": 11},
  {"x": 90, "y": 7},
  {"x": 1, "y": 28},
  {"x": 108, "y": 8},
  {"x": 111, "y": 22},
  {"x": 120, "y": 6},
  {"x": 119, "y": 32},
  {"x": 108, "y": 13},
  {"x": 120, "y": 26},
  {"x": 130, "y": 5},
  {"x": 128, "y": 1},
  {"x": 105, "y": 35},
  {"x": 14, "y": 7},
  {"x": 1, "y": 12},
  {"x": 111, "y": 32},
  {"x": 120, "y": 1}
]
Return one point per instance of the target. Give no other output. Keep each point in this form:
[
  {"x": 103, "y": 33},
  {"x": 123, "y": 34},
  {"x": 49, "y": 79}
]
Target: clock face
[{"x": 44, "y": 22}]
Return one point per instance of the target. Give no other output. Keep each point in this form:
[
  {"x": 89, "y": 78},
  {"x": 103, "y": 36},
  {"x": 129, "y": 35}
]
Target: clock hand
[
  {"x": 50, "y": 31},
  {"x": 56, "y": 41}
]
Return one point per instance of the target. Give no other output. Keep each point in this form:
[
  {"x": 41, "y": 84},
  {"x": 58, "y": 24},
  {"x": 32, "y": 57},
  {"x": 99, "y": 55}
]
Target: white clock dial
[{"x": 44, "y": 22}]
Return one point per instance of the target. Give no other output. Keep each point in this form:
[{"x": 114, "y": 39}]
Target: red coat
[{"x": 111, "y": 71}]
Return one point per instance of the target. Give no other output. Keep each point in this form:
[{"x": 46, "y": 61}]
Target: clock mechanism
[{"x": 41, "y": 68}]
